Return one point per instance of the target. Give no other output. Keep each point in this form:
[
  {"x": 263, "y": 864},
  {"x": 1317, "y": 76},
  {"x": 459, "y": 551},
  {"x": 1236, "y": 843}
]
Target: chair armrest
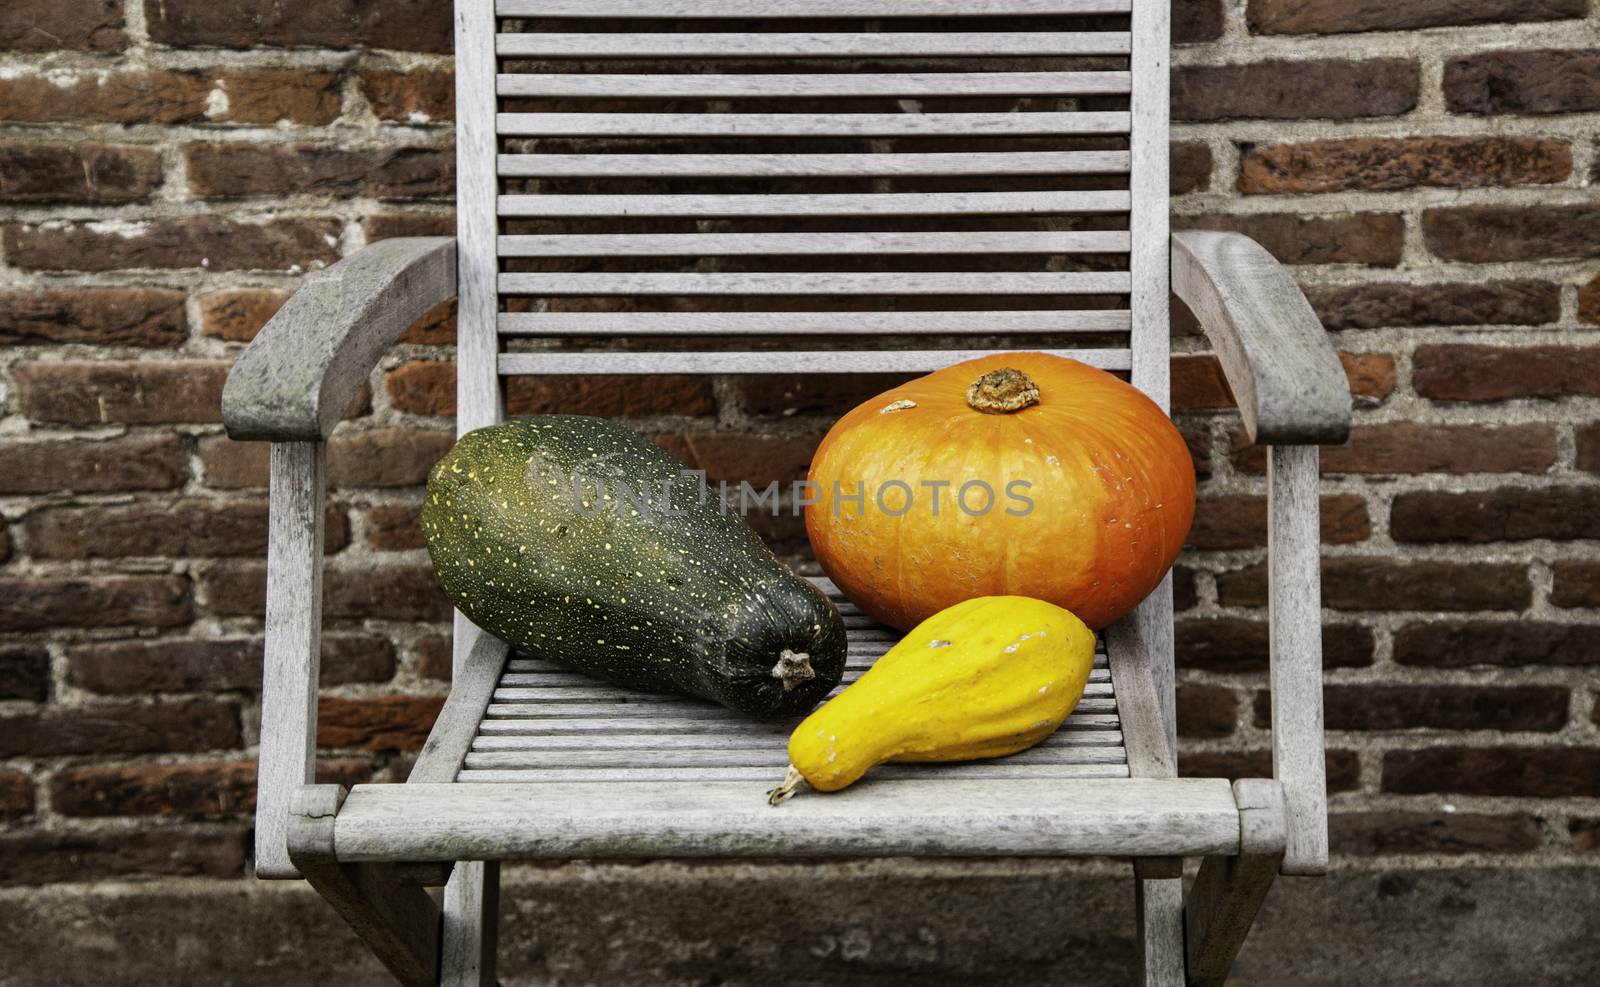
[
  {"x": 301, "y": 372},
  {"x": 1285, "y": 375}
]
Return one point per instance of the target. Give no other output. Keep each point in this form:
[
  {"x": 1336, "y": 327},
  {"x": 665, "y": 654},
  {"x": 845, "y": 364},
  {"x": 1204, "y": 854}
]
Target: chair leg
[
  {"x": 1159, "y": 903},
  {"x": 471, "y": 925},
  {"x": 1228, "y": 891},
  {"x": 399, "y": 921}
]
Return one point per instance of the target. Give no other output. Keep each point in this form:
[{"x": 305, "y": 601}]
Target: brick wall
[{"x": 168, "y": 169}]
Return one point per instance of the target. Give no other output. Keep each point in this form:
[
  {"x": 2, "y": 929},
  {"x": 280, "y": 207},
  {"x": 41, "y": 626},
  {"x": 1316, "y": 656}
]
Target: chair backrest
[{"x": 728, "y": 186}]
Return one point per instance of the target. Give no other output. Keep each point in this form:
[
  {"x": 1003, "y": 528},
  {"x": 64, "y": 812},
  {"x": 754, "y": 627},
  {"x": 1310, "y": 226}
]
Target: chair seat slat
[
  {"x": 514, "y": 723},
  {"x": 771, "y": 758},
  {"x": 892, "y": 772},
  {"x": 690, "y": 742},
  {"x": 1044, "y": 123},
  {"x": 806, "y": 8},
  {"x": 774, "y": 362},
  {"x": 813, "y": 165},
  {"x": 818, "y": 323},
  {"x": 919, "y": 283},
  {"x": 811, "y": 45},
  {"x": 832, "y": 204},
  {"x": 810, "y": 244},
  {"x": 649, "y": 86}
]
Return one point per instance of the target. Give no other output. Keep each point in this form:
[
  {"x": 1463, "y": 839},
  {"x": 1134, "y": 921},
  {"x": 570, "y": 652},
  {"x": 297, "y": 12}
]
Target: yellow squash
[{"x": 984, "y": 678}]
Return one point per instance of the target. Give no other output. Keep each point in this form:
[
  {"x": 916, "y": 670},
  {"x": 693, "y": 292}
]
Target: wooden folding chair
[{"x": 990, "y": 171}]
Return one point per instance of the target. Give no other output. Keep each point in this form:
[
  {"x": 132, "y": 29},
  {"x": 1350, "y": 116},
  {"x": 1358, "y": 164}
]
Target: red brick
[
  {"x": 1343, "y": 767},
  {"x": 1355, "y": 583},
  {"x": 437, "y": 327},
  {"x": 1388, "y": 165},
  {"x": 33, "y": 857},
  {"x": 1498, "y": 373},
  {"x": 1373, "y": 239},
  {"x": 1240, "y": 521},
  {"x": 385, "y": 457},
  {"x": 184, "y": 96},
  {"x": 406, "y": 25},
  {"x": 25, "y": 674},
  {"x": 382, "y": 593},
  {"x": 1472, "y": 643},
  {"x": 237, "y": 314},
  {"x": 1198, "y": 439},
  {"x": 1524, "y": 81},
  {"x": 237, "y": 169},
  {"x": 1508, "y": 514},
  {"x": 1346, "y": 16},
  {"x": 62, "y": 25},
  {"x": 229, "y": 465},
  {"x": 1190, "y": 163},
  {"x": 384, "y": 723},
  {"x": 1401, "y": 448},
  {"x": 1588, "y": 437},
  {"x": 1371, "y": 375},
  {"x": 157, "y": 462},
  {"x": 418, "y": 96},
  {"x": 1486, "y": 234},
  {"x": 1199, "y": 385},
  {"x": 828, "y": 395},
  {"x": 1206, "y": 711},
  {"x": 121, "y": 393},
  {"x": 79, "y": 172},
  {"x": 1194, "y": 21},
  {"x": 1589, "y": 303},
  {"x": 5, "y": 541},
  {"x": 16, "y": 794},
  {"x": 434, "y": 656},
  {"x": 177, "y": 727},
  {"x": 1577, "y": 584},
  {"x": 189, "y": 665},
  {"x": 1534, "y": 708},
  {"x": 1380, "y": 306},
  {"x": 146, "y": 317},
  {"x": 426, "y": 387},
  {"x": 42, "y": 603},
  {"x": 191, "y": 528},
  {"x": 1585, "y": 834},
  {"x": 215, "y": 243},
  {"x": 1233, "y": 644},
  {"x": 155, "y": 790},
  {"x": 1564, "y": 771},
  {"x": 740, "y": 456},
  {"x": 1185, "y": 592},
  {"x": 384, "y": 226},
  {"x": 394, "y": 528},
  {"x": 1293, "y": 90},
  {"x": 1431, "y": 833}
]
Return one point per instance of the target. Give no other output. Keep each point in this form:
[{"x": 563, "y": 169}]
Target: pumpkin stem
[
  {"x": 793, "y": 668},
  {"x": 787, "y": 789},
  {"x": 1002, "y": 392}
]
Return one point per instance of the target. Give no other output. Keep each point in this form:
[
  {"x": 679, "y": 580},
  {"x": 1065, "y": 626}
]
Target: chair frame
[{"x": 293, "y": 382}]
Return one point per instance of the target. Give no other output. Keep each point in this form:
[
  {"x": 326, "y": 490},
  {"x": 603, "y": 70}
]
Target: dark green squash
[{"x": 577, "y": 540}]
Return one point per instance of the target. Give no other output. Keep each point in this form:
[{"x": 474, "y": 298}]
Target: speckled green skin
[{"x": 689, "y": 602}]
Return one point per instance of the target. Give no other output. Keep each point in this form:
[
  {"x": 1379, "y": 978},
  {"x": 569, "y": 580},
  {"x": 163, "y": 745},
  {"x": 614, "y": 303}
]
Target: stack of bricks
[{"x": 168, "y": 169}]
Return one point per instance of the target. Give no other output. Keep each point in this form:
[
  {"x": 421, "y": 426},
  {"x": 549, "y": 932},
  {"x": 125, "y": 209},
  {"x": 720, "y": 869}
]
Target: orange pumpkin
[{"x": 1089, "y": 491}]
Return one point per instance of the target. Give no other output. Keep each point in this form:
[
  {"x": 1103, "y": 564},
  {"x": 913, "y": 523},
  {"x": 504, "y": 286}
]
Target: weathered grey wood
[
  {"x": 535, "y": 673},
  {"x": 471, "y": 925},
  {"x": 785, "y": 361},
  {"x": 642, "y": 740},
  {"x": 1284, "y": 373},
  {"x": 397, "y": 920},
  {"x": 825, "y": 204},
  {"x": 742, "y": 756},
  {"x": 288, "y": 749},
  {"x": 505, "y": 721},
  {"x": 1228, "y": 891},
  {"x": 823, "y": 323},
  {"x": 471, "y": 687},
  {"x": 1129, "y": 817},
  {"x": 1097, "y": 697},
  {"x": 809, "y": 165},
  {"x": 803, "y": 86},
  {"x": 828, "y": 45},
  {"x": 809, "y": 124},
  {"x": 478, "y": 400},
  {"x": 1294, "y": 602},
  {"x": 301, "y": 372},
  {"x": 800, "y": 244},
  {"x": 1159, "y": 905},
  {"x": 819, "y": 283},
  {"x": 743, "y": 9}
]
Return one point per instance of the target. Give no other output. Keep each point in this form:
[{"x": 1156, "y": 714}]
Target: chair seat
[{"x": 561, "y": 765}]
